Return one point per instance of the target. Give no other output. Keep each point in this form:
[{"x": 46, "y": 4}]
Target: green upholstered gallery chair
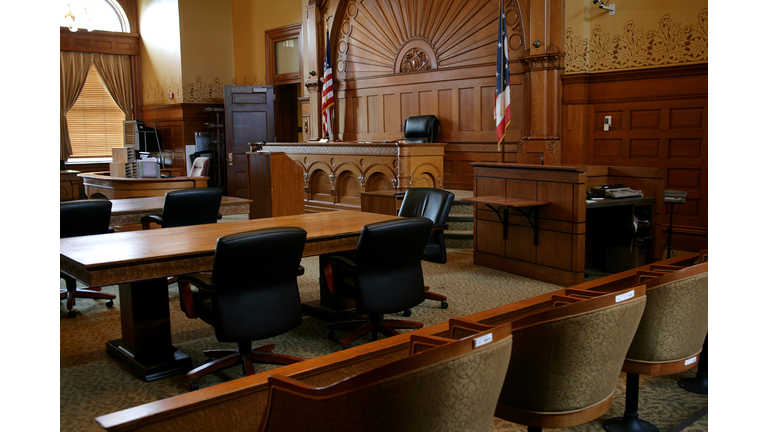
[
  {"x": 443, "y": 385},
  {"x": 567, "y": 360},
  {"x": 669, "y": 338}
]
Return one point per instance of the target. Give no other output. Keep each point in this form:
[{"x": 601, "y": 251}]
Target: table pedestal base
[{"x": 150, "y": 370}]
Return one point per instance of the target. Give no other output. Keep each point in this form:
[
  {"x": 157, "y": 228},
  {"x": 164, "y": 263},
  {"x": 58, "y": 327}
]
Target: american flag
[
  {"x": 502, "y": 112},
  {"x": 328, "y": 91}
]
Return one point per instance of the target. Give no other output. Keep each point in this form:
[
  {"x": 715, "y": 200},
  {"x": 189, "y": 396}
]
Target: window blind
[{"x": 95, "y": 122}]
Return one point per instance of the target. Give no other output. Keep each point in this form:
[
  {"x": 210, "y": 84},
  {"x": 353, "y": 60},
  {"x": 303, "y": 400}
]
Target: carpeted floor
[{"x": 93, "y": 384}]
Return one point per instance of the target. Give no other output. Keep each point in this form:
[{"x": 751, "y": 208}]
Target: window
[
  {"x": 95, "y": 122},
  {"x": 105, "y": 15}
]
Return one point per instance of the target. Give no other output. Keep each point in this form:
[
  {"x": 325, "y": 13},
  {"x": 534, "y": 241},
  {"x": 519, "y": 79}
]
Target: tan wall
[
  {"x": 207, "y": 56},
  {"x": 160, "y": 51},
  {"x": 641, "y": 34},
  {"x": 250, "y": 19}
]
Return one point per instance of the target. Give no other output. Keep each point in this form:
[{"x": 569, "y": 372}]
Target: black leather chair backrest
[
  {"x": 191, "y": 207},
  {"x": 388, "y": 257},
  {"x": 84, "y": 217},
  {"x": 434, "y": 204},
  {"x": 421, "y": 128},
  {"x": 257, "y": 295}
]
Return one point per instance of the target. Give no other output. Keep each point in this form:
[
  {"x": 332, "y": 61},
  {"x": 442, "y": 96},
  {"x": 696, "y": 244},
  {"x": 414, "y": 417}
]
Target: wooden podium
[{"x": 275, "y": 185}]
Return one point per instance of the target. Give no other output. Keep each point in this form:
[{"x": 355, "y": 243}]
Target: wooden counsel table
[
  {"x": 129, "y": 211},
  {"x": 141, "y": 261},
  {"x": 121, "y": 187}
]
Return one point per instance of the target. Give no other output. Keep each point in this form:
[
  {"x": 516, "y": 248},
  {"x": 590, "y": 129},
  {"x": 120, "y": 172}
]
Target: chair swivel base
[
  {"x": 429, "y": 295},
  {"x": 92, "y": 293},
  {"x": 361, "y": 328},
  {"x": 628, "y": 423},
  {"x": 439, "y": 297},
  {"x": 229, "y": 357},
  {"x": 698, "y": 384}
]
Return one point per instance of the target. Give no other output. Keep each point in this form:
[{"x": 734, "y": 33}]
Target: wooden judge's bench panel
[
  {"x": 560, "y": 255},
  {"x": 335, "y": 174}
]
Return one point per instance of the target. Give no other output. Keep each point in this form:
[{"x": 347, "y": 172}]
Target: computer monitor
[{"x": 147, "y": 138}]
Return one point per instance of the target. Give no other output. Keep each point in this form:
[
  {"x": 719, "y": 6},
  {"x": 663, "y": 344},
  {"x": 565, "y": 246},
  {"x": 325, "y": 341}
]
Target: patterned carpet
[{"x": 93, "y": 384}]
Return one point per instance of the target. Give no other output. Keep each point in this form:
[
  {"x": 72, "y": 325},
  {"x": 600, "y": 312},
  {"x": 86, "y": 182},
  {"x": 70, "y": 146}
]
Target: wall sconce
[{"x": 611, "y": 8}]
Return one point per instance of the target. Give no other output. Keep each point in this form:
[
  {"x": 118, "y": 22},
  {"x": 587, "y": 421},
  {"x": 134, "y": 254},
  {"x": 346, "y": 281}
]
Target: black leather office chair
[
  {"x": 383, "y": 277},
  {"x": 252, "y": 295},
  {"x": 187, "y": 207},
  {"x": 421, "y": 129},
  {"x": 82, "y": 218},
  {"x": 434, "y": 204}
]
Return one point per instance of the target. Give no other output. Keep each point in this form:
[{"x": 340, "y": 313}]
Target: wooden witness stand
[{"x": 237, "y": 405}]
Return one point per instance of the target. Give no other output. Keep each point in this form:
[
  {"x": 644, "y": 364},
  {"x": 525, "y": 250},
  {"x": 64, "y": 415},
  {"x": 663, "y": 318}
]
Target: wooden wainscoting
[
  {"x": 658, "y": 119},
  {"x": 176, "y": 124}
]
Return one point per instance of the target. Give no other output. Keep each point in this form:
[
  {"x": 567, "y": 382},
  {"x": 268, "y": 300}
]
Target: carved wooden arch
[
  {"x": 430, "y": 169},
  {"x": 370, "y": 38},
  {"x": 347, "y": 193},
  {"x": 379, "y": 168}
]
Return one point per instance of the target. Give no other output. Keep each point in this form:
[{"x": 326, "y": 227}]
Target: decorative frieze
[{"x": 669, "y": 44}]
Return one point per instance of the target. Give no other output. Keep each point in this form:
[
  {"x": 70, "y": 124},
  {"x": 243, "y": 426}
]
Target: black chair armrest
[
  {"x": 439, "y": 227},
  {"x": 301, "y": 271},
  {"x": 147, "y": 220},
  {"x": 219, "y": 216},
  {"x": 341, "y": 261},
  {"x": 199, "y": 280},
  {"x": 185, "y": 291},
  {"x": 344, "y": 262}
]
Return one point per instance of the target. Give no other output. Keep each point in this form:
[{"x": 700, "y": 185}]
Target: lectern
[{"x": 275, "y": 185}]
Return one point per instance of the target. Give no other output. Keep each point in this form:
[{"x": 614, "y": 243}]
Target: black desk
[{"x": 611, "y": 232}]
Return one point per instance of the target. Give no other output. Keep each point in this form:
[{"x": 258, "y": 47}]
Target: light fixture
[
  {"x": 611, "y": 8},
  {"x": 69, "y": 19}
]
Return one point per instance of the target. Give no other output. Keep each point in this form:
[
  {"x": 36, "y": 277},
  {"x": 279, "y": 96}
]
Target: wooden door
[
  {"x": 286, "y": 113},
  {"x": 250, "y": 117}
]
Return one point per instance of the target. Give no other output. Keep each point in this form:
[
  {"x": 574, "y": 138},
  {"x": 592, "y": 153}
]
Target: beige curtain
[
  {"x": 115, "y": 74},
  {"x": 74, "y": 70}
]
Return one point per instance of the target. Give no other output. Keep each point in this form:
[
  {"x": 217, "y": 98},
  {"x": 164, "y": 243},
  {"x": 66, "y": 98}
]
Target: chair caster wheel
[
  {"x": 194, "y": 385},
  {"x": 331, "y": 336},
  {"x": 110, "y": 303},
  {"x": 407, "y": 313},
  {"x": 443, "y": 305},
  {"x": 71, "y": 314}
]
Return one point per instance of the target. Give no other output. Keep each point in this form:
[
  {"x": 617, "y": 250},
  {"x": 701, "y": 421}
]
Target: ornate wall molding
[
  {"x": 670, "y": 44},
  {"x": 331, "y": 150},
  {"x": 205, "y": 92},
  {"x": 543, "y": 62},
  {"x": 415, "y": 60},
  {"x": 197, "y": 91}
]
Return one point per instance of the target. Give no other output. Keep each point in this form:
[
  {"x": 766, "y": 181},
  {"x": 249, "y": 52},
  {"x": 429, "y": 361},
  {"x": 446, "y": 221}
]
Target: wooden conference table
[{"x": 141, "y": 261}]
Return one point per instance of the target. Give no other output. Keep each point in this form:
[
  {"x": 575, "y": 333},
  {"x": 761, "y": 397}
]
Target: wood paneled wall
[
  {"x": 659, "y": 119},
  {"x": 394, "y": 59},
  {"x": 176, "y": 125}
]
